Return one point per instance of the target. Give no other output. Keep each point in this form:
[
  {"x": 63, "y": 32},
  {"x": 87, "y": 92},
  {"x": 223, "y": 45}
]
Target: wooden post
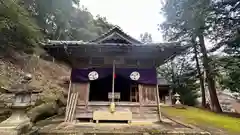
[
  {"x": 158, "y": 104},
  {"x": 147, "y": 95},
  {"x": 112, "y": 105},
  {"x": 68, "y": 98},
  {"x": 87, "y": 95},
  {"x": 73, "y": 116},
  {"x": 130, "y": 94},
  {"x": 113, "y": 81},
  {"x": 140, "y": 97},
  {"x": 170, "y": 96}
]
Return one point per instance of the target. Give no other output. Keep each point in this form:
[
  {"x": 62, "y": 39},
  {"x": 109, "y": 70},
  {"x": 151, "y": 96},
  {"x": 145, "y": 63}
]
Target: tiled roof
[
  {"x": 72, "y": 43},
  {"x": 117, "y": 30}
]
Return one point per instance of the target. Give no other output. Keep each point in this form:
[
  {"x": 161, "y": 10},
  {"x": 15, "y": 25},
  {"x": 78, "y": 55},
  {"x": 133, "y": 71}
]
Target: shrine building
[{"x": 113, "y": 63}]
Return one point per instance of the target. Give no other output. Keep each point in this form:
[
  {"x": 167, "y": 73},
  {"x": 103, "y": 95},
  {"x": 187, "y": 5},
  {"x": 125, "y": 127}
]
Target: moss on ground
[{"x": 204, "y": 118}]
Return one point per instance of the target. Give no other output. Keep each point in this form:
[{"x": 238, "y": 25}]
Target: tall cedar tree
[{"x": 185, "y": 18}]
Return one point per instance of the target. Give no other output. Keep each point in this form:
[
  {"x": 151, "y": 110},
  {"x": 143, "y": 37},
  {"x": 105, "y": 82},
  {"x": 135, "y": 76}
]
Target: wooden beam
[{"x": 106, "y": 61}]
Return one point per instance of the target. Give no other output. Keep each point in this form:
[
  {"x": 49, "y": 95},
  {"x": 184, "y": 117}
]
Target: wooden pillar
[
  {"x": 130, "y": 94},
  {"x": 140, "y": 89},
  {"x": 155, "y": 97},
  {"x": 145, "y": 94},
  {"x": 158, "y": 104},
  {"x": 113, "y": 81},
  {"x": 69, "y": 90},
  {"x": 87, "y": 96},
  {"x": 170, "y": 96},
  {"x": 68, "y": 99}
]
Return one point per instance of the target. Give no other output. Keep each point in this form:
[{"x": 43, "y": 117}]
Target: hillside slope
[{"x": 47, "y": 76}]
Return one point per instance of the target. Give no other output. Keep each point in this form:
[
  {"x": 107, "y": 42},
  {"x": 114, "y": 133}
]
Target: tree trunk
[
  {"x": 209, "y": 76},
  {"x": 201, "y": 79}
]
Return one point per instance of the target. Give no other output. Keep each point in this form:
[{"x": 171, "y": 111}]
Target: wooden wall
[
  {"x": 147, "y": 94},
  {"x": 106, "y": 61},
  {"x": 83, "y": 91}
]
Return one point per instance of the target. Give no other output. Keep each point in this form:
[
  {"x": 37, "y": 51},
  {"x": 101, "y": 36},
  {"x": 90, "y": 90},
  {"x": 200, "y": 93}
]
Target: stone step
[
  {"x": 86, "y": 115},
  {"x": 173, "y": 132},
  {"x": 134, "y": 109}
]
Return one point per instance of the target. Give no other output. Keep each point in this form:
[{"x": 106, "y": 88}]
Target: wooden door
[
  {"x": 134, "y": 93},
  {"x": 148, "y": 94}
]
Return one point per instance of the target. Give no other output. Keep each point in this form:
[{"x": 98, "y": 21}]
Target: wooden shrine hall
[{"x": 114, "y": 68}]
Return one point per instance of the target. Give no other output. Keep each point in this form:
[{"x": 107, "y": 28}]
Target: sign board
[{"x": 116, "y": 95}]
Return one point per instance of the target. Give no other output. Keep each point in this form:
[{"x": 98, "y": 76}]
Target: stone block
[
  {"x": 124, "y": 115},
  {"x": 17, "y": 124}
]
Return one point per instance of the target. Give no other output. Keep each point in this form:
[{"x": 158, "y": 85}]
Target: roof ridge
[
  {"x": 117, "y": 28},
  {"x": 103, "y": 34}
]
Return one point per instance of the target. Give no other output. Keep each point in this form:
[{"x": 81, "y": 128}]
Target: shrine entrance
[{"x": 101, "y": 88}]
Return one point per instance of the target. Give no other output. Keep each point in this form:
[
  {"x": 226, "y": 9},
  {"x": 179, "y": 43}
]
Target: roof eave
[{"x": 81, "y": 43}]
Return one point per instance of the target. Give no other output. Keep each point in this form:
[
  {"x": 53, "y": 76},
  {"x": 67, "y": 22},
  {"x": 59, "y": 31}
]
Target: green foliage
[
  {"x": 17, "y": 29},
  {"x": 101, "y": 24},
  {"x": 85, "y": 27},
  {"x": 218, "y": 21},
  {"x": 225, "y": 22},
  {"x": 226, "y": 31},
  {"x": 146, "y": 37},
  {"x": 60, "y": 20},
  {"x": 184, "y": 18},
  {"x": 188, "y": 90},
  {"x": 51, "y": 15},
  {"x": 229, "y": 72},
  {"x": 205, "y": 119},
  {"x": 182, "y": 76},
  {"x": 24, "y": 23}
]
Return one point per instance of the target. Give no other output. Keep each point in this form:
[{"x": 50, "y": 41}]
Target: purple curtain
[{"x": 147, "y": 76}]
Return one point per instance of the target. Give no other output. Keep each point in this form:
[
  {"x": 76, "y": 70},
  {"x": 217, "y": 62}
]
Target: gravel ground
[{"x": 106, "y": 128}]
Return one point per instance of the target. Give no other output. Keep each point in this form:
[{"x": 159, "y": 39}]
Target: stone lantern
[
  {"x": 177, "y": 97},
  {"x": 19, "y": 121}
]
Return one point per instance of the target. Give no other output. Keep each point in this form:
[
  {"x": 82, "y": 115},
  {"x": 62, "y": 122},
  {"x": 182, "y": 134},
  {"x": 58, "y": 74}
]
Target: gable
[{"x": 116, "y": 35}]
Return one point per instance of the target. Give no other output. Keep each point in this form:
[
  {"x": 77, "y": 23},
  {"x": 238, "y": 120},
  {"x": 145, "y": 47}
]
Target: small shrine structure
[{"x": 113, "y": 70}]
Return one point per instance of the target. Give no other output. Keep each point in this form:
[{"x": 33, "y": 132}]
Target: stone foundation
[{"x": 17, "y": 124}]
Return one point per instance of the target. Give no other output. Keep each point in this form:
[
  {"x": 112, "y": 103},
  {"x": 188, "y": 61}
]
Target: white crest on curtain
[
  {"x": 93, "y": 75},
  {"x": 135, "y": 75}
]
